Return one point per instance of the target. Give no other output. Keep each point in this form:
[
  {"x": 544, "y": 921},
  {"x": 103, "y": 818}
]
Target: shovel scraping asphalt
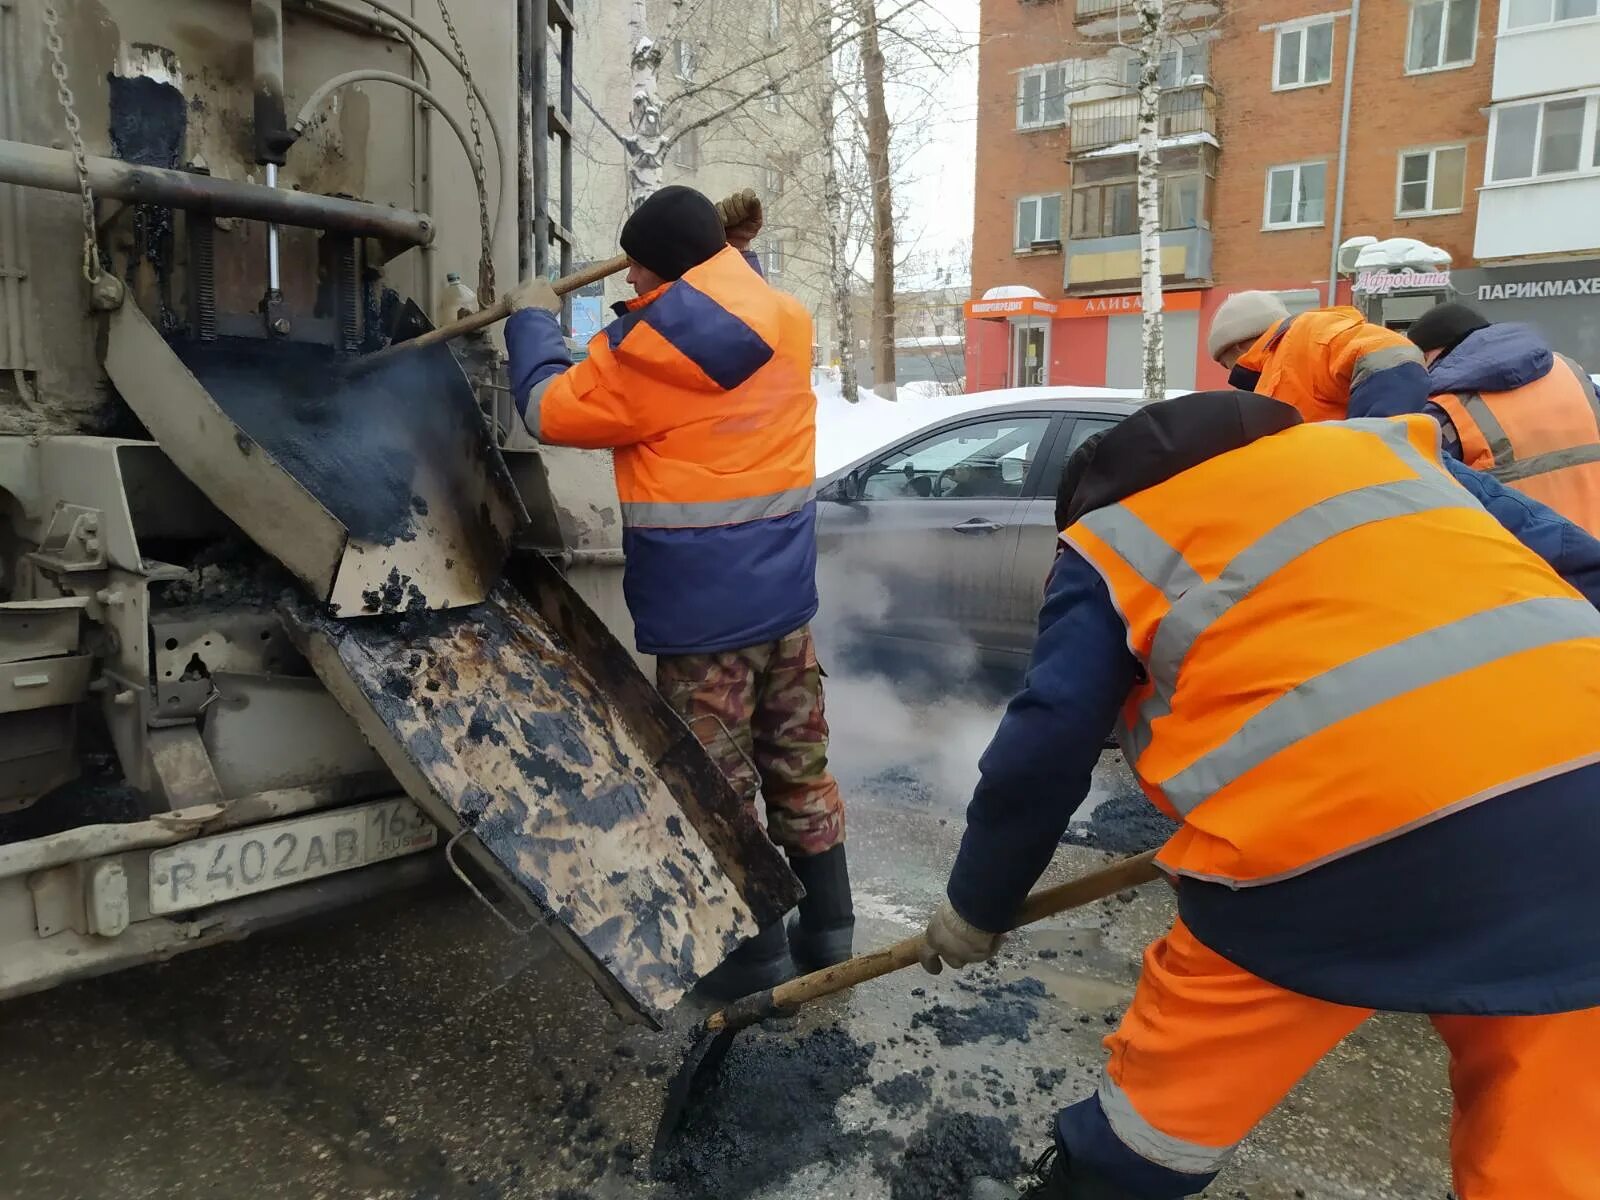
[
  {"x": 482, "y": 319},
  {"x": 715, "y": 1035}
]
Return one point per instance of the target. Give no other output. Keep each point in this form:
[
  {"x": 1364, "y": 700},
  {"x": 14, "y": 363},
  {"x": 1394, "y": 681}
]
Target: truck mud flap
[{"x": 528, "y": 733}]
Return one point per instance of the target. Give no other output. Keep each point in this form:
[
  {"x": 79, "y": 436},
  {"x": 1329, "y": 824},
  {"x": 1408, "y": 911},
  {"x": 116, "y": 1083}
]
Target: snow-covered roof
[
  {"x": 1012, "y": 291},
  {"x": 945, "y": 339},
  {"x": 1166, "y": 143},
  {"x": 1397, "y": 252}
]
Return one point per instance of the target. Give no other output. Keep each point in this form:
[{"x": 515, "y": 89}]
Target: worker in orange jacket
[
  {"x": 702, "y": 387},
  {"x": 1511, "y": 406},
  {"x": 1374, "y": 708},
  {"x": 1330, "y": 363}
]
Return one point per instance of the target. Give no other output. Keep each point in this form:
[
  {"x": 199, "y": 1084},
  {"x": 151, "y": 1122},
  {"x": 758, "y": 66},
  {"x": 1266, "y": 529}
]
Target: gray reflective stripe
[
  {"x": 698, "y": 514},
  {"x": 1377, "y": 677},
  {"x": 1149, "y": 1143},
  {"x": 1396, "y": 434},
  {"x": 1586, "y": 384},
  {"x": 1381, "y": 360},
  {"x": 531, "y": 411},
  {"x": 1143, "y": 549},
  {"x": 1541, "y": 464},
  {"x": 1499, "y": 789},
  {"x": 1489, "y": 425},
  {"x": 1200, "y": 609}
]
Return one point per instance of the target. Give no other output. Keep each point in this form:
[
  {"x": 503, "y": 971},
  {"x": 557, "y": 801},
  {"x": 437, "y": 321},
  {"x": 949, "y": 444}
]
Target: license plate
[{"x": 230, "y": 865}]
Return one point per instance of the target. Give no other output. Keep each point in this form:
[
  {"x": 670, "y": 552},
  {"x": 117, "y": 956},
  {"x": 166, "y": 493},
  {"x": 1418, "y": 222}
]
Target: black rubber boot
[
  {"x": 761, "y": 963},
  {"x": 823, "y": 931},
  {"x": 1062, "y": 1179}
]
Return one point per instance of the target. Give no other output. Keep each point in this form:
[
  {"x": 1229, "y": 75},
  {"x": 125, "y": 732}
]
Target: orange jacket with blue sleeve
[
  {"x": 1333, "y": 364},
  {"x": 702, "y": 388}
]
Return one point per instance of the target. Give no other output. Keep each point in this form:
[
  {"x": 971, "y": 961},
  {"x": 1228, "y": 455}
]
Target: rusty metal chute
[
  {"x": 524, "y": 729},
  {"x": 380, "y": 492},
  {"x": 503, "y": 706}
]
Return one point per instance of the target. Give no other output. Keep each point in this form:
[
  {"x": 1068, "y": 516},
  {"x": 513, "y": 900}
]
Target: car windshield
[{"x": 985, "y": 459}]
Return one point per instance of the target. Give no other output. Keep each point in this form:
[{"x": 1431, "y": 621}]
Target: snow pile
[
  {"x": 1398, "y": 253},
  {"x": 1012, "y": 291},
  {"x": 847, "y": 431}
]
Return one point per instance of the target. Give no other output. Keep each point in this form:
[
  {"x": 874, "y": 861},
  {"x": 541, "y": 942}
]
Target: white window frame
[
  {"x": 1432, "y": 152},
  {"x": 1297, "y": 168},
  {"x": 1301, "y": 26},
  {"x": 1042, "y": 71},
  {"x": 1444, "y": 31},
  {"x": 1017, "y": 245},
  {"x": 1507, "y": 28},
  {"x": 1587, "y": 143},
  {"x": 773, "y": 257},
  {"x": 1181, "y": 52}
]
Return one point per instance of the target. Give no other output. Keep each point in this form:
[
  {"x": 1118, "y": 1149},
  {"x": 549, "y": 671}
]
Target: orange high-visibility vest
[
  {"x": 1542, "y": 438},
  {"x": 1314, "y": 360},
  {"x": 1340, "y": 645}
]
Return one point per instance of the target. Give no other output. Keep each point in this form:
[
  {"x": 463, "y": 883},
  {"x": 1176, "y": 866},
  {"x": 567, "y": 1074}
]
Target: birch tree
[
  {"x": 656, "y": 122},
  {"x": 1152, "y": 47}
]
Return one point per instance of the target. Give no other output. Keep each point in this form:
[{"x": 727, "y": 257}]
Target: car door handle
[{"x": 977, "y": 525}]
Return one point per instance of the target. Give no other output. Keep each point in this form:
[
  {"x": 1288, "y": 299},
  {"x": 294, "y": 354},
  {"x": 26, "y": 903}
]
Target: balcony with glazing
[{"x": 1187, "y": 111}]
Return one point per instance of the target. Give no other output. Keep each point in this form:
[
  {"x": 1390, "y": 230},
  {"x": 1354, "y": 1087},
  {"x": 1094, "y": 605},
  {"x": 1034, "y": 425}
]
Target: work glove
[
  {"x": 952, "y": 939},
  {"x": 742, "y": 217},
  {"x": 535, "y": 293}
]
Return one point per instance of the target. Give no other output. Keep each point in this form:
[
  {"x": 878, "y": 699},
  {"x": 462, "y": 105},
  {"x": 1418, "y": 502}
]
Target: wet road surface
[{"x": 416, "y": 1050}]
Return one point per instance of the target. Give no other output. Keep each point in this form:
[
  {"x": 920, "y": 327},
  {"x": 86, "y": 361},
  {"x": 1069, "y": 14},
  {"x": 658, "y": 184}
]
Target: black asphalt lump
[
  {"x": 945, "y": 1156},
  {"x": 769, "y": 1113},
  {"x": 1005, "y": 1011}
]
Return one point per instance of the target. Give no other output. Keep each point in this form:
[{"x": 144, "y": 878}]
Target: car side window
[
  {"x": 1083, "y": 428},
  {"x": 988, "y": 459}
]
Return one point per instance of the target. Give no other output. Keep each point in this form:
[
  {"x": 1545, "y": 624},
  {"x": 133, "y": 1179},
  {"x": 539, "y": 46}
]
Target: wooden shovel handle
[
  {"x": 1047, "y": 902},
  {"x": 498, "y": 311}
]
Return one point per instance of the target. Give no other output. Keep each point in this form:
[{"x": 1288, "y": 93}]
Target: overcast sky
[{"x": 939, "y": 187}]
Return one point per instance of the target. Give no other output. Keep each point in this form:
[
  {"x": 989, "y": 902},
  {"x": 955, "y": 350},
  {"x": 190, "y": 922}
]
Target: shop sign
[
  {"x": 1382, "y": 283},
  {"x": 1116, "y": 306},
  {"x": 1012, "y": 306},
  {"x": 1540, "y": 289}
]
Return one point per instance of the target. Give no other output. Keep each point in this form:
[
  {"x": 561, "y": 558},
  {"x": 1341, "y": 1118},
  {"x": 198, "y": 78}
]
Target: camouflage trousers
[{"x": 769, "y": 697}]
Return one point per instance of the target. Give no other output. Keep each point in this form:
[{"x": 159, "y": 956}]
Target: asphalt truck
[{"x": 277, "y": 633}]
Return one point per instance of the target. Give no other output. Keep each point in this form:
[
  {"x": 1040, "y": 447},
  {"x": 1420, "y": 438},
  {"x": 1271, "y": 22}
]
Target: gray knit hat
[{"x": 1243, "y": 317}]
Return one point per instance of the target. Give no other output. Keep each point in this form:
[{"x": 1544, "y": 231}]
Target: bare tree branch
[{"x": 598, "y": 115}]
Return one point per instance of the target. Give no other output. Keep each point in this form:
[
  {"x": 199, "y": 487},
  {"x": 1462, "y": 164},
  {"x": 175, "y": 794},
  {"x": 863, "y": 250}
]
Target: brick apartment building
[{"x": 1474, "y": 125}]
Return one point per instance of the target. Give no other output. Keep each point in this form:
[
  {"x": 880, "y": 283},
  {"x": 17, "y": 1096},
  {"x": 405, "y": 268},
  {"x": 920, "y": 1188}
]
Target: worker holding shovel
[
  {"x": 1376, "y": 713},
  {"x": 702, "y": 388}
]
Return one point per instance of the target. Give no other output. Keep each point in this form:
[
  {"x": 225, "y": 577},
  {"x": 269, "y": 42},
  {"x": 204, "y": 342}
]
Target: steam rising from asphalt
[{"x": 917, "y": 738}]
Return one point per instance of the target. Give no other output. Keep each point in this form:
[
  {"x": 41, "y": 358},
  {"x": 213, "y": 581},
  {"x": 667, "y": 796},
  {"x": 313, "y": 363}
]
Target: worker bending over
[
  {"x": 1512, "y": 406},
  {"x": 1376, "y": 714},
  {"x": 702, "y": 387},
  {"x": 1330, "y": 363}
]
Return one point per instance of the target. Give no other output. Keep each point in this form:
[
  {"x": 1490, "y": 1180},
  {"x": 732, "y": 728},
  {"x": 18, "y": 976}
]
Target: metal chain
[
  {"x": 486, "y": 285},
  {"x": 58, "y": 68}
]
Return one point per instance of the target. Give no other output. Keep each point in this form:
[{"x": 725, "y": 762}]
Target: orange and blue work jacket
[
  {"x": 1333, "y": 364},
  {"x": 1351, "y": 671},
  {"x": 702, "y": 388}
]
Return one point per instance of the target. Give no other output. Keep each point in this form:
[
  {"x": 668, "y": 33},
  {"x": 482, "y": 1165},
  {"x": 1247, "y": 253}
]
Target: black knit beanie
[
  {"x": 1444, "y": 327},
  {"x": 673, "y": 231}
]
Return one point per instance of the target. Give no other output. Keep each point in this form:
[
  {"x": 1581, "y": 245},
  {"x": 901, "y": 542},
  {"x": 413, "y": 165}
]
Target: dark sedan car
[{"x": 935, "y": 547}]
